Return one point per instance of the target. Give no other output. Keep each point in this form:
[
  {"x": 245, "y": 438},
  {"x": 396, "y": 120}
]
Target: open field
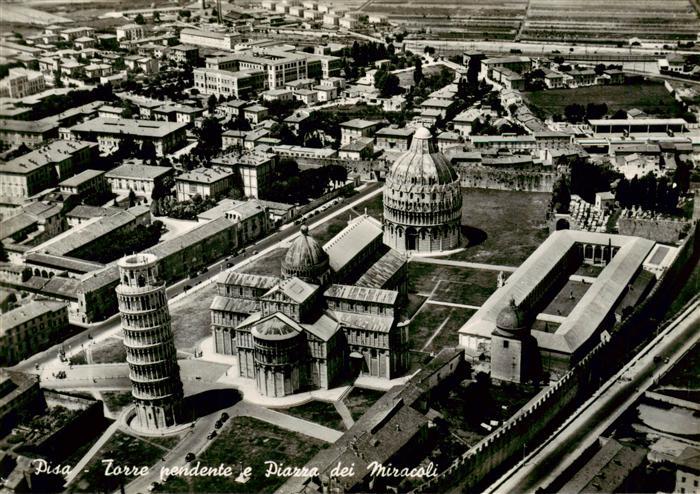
[
  {"x": 651, "y": 97},
  {"x": 566, "y": 20},
  {"x": 247, "y": 442},
  {"x": 601, "y": 20},
  {"x": 464, "y": 19},
  {"x": 502, "y": 227}
]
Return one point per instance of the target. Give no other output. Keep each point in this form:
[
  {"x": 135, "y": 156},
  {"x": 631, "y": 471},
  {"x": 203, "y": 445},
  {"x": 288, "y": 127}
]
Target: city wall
[
  {"x": 661, "y": 230},
  {"x": 507, "y": 444},
  {"x": 485, "y": 177}
]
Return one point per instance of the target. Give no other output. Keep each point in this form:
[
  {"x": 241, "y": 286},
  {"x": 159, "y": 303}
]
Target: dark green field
[{"x": 651, "y": 97}]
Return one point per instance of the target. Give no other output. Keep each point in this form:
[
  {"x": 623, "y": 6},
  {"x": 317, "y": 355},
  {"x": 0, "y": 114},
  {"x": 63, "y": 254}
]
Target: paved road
[
  {"x": 568, "y": 443},
  {"x": 105, "y": 328}
]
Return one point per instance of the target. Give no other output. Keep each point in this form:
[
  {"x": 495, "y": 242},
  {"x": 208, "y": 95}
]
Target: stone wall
[
  {"x": 528, "y": 180},
  {"x": 495, "y": 453},
  {"x": 661, "y": 230}
]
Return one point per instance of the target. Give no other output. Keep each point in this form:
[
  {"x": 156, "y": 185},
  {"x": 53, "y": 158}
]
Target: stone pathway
[
  {"x": 345, "y": 414},
  {"x": 464, "y": 264},
  {"x": 290, "y": 423},
  {"x": 78, "y": 468},
  {"x": 452, "y": 304}
]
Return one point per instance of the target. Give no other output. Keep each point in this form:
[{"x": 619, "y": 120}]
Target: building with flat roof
[
  {"x": 31, "y": 133},
  {"x": 109, "y": 132},
  {"x": 86, "y": 184},
  {"x": 204, "y": 182},
  {"x": 393, "y": 139},
  {"x": 31, "y": 328},
  {"x": 536, "y": 283},
  {"x": 638, "y": 126},
  {"x": 241, "y": 83},
  {"x": 356, "y": 128},
  {"x": 207, "y": 39},
  {"x": 21, "y": 82},
  {"x": 142, "y": 179},
  {"x": 254, "y": 169}
]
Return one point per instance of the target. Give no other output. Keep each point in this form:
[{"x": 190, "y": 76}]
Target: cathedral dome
[
  {"x": 305, "y": 258},
  {"x": 511, "y": 319},
  {"x": 422, "y": 164}
]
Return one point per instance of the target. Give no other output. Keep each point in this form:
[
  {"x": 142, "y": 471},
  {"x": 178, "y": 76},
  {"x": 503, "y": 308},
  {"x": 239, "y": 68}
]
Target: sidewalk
[{"x": 292, "y": 423}]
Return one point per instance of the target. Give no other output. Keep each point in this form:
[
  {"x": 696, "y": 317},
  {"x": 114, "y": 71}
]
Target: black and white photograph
[{"x": 349, "y": 246}]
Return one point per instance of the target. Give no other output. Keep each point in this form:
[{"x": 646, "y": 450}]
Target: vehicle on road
[
  {"x": 189, "y": 457},
  {"x": 211, "y": 435}
]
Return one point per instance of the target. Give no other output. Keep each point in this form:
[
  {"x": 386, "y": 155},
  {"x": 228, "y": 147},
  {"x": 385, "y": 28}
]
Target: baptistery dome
[
  {"x": 422, "y": 199},
  {"x": 305, "y": 259},
  {"x": 511, "y": 319}
]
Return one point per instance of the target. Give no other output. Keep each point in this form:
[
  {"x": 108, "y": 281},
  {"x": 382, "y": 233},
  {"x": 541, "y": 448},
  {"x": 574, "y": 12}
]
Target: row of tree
[
  {"x": 651, "y": 193},
  {"x": 111, "y": 247},
  {"x": 298, "y": 187}
]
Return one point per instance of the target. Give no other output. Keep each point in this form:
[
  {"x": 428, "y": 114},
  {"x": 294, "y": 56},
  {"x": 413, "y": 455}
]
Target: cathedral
[
  {"x": 330, "y": 315},
  {"x": 422, "y": 200}
]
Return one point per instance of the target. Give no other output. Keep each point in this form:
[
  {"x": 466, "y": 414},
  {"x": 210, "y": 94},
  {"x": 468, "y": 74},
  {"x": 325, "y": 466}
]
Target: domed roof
[
  {"x": 274, "y": 329},
  {"x": 422, "y": 164},
  {"x": 304, "y": 253},
  {"x": 511, "y": 318}
]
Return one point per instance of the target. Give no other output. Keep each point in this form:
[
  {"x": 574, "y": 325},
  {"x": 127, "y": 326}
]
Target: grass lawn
[
  {"x": 191, "y": 320},
  {"x": 251, "y": 442},
  {"x": 567, "y": 298},
  {"x": 426, "y": 323},
  {"x": 269, "y": 264},
  {"x": 124, "y": 450},
  {"x": 452, "y": 284},
  {"x": 448, "y": 335},
  {"x": 359, "y": 400},
  {"x": 374, "y": 206},
  {"x": 502, "y": 227},
  {"x": 498, "y": 226},
  {"x": 651, "y": 97},
  {"x": 116, "y": 400},
  {"x": 326, "y": 231},
  {"x": 320, "y": 412},
  {"x": 109, "y": 351}
]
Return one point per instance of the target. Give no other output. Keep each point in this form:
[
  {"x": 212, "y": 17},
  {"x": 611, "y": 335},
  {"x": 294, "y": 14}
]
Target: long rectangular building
[
  {"x": 535, "y": 282},
  {"x": 109, "y": 132}
]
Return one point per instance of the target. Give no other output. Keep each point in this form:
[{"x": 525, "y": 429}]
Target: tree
[
  {"x": 156, "y": 17},
  {"x": 148, "y": 150},
  {"x": 574, "y": 113},
  {"x": 3, "y": 253},
  {"x": 429, "y": 50},
  {"x": 418, "y": 72},
  {"x": 211, "y": 103},
  {"x": 387, "y": 83},
  {"x": 140, "y": 20},
  {"x": 209, "y": 136},
  {"x": 561, "y": 196},
  {"x": 132, "y": 198},
  {"x": 599, "y": 69}
]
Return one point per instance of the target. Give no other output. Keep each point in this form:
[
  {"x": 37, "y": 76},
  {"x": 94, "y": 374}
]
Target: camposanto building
[{"x": 422, "y": 200}]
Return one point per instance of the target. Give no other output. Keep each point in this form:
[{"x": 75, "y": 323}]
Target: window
[{"x": 505, "y": 344}]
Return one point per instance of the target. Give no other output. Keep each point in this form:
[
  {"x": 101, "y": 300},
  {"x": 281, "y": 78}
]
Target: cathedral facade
[
  {"x": 422, "y": 200},
  {"x": 330, "y": 314}
]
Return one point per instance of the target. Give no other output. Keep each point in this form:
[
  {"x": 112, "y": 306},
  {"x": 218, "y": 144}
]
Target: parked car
[
  {"x": 189, "y": 457},
  {"x": 211, "y": 435}
]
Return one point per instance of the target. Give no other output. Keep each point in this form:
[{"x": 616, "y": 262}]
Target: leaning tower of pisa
[{"x": 150, "y": 349}]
